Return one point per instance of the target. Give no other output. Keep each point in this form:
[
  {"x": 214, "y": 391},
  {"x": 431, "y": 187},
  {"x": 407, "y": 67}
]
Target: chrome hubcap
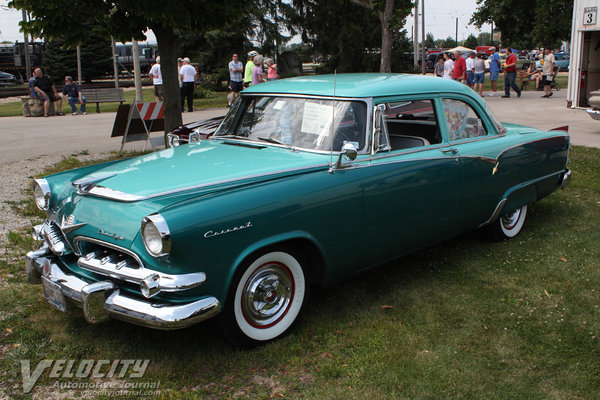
[
  {"x": 509, "y": 221},
  {"x": 267, "y": 295}
]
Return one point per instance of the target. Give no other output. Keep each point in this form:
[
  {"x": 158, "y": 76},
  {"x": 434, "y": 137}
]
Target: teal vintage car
[{"x": 306, "y": 181}]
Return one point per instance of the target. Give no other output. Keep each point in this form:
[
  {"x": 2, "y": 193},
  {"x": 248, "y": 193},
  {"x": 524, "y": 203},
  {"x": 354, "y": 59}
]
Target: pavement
[{"x": 24, "y": 138}]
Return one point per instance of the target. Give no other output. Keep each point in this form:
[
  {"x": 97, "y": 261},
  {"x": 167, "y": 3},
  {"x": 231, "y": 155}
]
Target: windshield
[{"x": 314, "y": 124}]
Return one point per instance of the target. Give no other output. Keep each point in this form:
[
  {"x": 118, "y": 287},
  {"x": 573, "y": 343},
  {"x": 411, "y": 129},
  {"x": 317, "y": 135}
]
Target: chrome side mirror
[
  {"x": 348, "y": 152},
  {"x": 172, "y": 140}
]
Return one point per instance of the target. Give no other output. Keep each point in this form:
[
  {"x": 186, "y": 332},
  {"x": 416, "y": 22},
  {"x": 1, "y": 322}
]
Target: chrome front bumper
[
  {"x": 103, "y": 300},
  {"x": 595, "y": 114}
]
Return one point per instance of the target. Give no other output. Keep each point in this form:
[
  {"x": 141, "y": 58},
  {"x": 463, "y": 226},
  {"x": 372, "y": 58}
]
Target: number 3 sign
[{"x": 589, "y": 15}]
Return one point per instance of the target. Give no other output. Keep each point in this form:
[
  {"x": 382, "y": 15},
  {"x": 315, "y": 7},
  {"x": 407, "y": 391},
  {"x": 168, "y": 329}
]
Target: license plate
[{"x": 54, "y": 294}]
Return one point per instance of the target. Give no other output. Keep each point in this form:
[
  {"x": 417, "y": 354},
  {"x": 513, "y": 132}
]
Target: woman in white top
[{"x": 448, "y": 66}]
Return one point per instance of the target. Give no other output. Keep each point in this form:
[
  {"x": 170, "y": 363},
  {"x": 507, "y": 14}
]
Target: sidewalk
[
  {"x": 24, "y": 138},
  {"x": 531, "y": 110}
]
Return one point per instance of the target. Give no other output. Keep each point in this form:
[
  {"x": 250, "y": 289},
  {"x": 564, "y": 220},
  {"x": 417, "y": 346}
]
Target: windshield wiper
[{"x": 273, "y": 140}]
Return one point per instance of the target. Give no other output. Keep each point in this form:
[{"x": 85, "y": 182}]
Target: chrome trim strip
[
  {"x": 84, "y": 185},
  {"x": 301, "y": 96},
  {"x": 566, "y": 179},
  {"x": 97, "y": 191},
  {"x": 496, "y": 213}
]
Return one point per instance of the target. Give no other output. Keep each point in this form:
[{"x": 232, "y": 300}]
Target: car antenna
[{"x": 332, "y": 122}]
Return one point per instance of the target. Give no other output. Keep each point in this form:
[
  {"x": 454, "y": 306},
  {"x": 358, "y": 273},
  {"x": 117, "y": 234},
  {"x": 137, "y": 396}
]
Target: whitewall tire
[{"x": 509, "y": 225}]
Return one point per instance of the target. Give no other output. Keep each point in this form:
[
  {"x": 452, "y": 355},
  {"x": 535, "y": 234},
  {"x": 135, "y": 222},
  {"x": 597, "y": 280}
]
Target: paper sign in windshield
[{"x": 317, "y": 118}]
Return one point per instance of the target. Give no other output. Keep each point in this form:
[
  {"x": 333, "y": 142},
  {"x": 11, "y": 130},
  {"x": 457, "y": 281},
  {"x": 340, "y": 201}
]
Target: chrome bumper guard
[
  {"x": 103, "y": 300},
  {"x": 566, "y": 179}
]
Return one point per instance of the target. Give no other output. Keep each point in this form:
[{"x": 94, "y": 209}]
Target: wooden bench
[{"x": 98, "y": 96}]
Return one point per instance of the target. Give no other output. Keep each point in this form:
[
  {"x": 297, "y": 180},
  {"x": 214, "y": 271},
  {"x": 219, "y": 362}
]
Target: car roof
[{"x": 360, "y": 85}]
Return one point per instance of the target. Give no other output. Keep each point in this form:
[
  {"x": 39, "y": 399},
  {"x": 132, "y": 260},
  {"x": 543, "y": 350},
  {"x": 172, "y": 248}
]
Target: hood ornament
[{"x": 67, "y": 224}]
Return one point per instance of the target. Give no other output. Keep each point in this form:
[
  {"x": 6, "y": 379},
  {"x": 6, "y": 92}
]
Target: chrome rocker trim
[{"x": 103, "y": 300}]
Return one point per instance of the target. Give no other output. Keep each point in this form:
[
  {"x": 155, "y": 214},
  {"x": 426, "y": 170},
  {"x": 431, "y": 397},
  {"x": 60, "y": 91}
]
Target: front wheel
[
  {"x": 509, "y": 225},
  {"x": 266, "y": 296}
]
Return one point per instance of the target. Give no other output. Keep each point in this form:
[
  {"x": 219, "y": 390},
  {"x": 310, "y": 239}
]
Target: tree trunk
[
  {"x": 386, "y": 36},
  {"x": 168, "y": 49}
]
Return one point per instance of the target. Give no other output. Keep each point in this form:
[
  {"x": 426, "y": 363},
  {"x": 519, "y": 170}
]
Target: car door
[
  {"x": 474, "y": 138},
  {"x": 412, "y": 186}
]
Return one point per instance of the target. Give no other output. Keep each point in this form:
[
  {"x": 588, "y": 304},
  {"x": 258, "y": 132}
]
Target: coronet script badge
[{"x": 210, "y": 234}]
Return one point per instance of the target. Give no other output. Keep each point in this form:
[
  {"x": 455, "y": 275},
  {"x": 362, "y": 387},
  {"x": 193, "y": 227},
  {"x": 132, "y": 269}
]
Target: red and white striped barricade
[{"x": 146, "y": 114}]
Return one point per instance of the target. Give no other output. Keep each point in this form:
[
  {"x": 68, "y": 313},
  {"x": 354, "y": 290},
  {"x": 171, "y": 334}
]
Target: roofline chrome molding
[
  {"x": 42, "y": 183},
  {"x": 163, "y": 230}
]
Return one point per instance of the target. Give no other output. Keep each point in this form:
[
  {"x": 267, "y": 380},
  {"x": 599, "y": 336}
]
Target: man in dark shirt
[
  {"x": 72, "y": 92},
  {"x": 46, "y": 91}
]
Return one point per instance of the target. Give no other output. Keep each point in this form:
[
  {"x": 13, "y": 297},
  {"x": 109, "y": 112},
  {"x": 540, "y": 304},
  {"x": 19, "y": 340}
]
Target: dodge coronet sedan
[{"x": 306, "y": 180}]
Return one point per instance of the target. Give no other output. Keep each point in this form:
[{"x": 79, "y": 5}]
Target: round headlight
[
  {"x": 156, "y": 235},
  {"x": 41, "y": 194}
]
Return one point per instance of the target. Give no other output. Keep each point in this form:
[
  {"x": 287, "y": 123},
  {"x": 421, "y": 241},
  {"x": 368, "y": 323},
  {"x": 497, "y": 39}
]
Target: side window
[
  {"x": 462, "y": 121},
  {"x": 411, "y": 123}
]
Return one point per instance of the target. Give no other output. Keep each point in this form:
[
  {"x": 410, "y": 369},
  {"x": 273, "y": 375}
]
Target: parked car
[
  {"x": 7, "y": 79},
  {"x": 562, "y": 60},
  {"x": 193, "y": 131},
  {"x": 309, "y": 180}
]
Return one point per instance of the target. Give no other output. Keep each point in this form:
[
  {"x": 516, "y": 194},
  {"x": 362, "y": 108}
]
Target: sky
[{"x": 440, "y": 20}]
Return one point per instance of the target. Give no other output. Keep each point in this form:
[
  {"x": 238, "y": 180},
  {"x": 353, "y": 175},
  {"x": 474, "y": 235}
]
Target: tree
[
  {"x": 484, "y": 39},
  {"x": 526, "y": 24},
  {"x": 125, "y": 19},
  {"x": 60, "y": 60},
  {"x": 429, "y": 41},
  {"x": 471, "y": 42},
  {"x": 449, "y": 43},
  {"x": 391, "y": 15}
]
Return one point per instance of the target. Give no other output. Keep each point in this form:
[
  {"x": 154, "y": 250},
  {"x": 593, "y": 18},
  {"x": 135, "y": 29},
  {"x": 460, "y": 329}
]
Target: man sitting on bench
[
  {"x": 46, "y": 91},
  {"x": 72, "y": 92}
]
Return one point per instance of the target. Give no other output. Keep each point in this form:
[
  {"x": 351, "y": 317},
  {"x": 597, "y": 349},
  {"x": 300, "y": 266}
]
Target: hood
[{"x": 206, "y": 165}]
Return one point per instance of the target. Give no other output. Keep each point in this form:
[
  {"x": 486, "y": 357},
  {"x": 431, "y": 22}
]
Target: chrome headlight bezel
[
  {"x": 159, "y": 244},
  {"x": 42, "y": 194}
]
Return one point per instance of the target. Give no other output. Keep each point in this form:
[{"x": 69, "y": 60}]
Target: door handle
[{"x": 450, "y": 150}]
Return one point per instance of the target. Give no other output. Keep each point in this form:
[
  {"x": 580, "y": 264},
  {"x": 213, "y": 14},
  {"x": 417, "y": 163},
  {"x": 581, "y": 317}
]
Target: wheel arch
[{"x": 301, "y": 242}]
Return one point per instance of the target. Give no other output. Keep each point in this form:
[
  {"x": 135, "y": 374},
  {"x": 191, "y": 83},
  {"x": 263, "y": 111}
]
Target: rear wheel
[
  {"x": 509, "y": 225},
  {"x": 265, "y": 299}
]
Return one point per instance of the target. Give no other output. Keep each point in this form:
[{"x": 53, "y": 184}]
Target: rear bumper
[
  {"x": 566, "y": 179},
  {"x": 102, "y": 300}
]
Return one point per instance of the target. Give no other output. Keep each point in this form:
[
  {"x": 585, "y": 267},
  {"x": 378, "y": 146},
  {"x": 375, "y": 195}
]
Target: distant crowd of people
[{"x": 471, "y": 71}]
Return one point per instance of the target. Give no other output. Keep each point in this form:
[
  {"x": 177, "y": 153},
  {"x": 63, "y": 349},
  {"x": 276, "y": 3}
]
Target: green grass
[
  {"x": 468, "y": 318},
  {"x": 13, "y": 109}
]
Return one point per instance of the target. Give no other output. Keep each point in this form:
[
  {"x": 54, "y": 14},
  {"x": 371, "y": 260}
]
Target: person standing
[
  {"x": 448, "y": 66},
  {"x": 188, "y": 84},
  {"x": 439, "y": 67},
  {"x": 156, "y": 76},
  {"x": 478, "y": 74},
  {"x": 236, "y": 68},
  {"x": 249, "y": 68},
  {"x": 72, "y": 92},
  {"x": 257, "y": 71},
  {"x": 510, "y": 74},
  {"x": 469, "y": 64},
  {"x": 46, "y": 91},
  {"x": 548, "y": 72},
  {"x": 460, "y": 68},
  {"x": 271, "y": 70},
  {"x": 494, "y": 70},
  {"x": 179, "y": 65}
]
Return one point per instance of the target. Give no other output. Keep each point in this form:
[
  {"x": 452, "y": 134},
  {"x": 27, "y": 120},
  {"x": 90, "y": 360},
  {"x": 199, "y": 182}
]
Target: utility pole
[
  {"x": 135, "y": 53},
  {"x": 423, "y": 37},
  {"x": 26, "y": 51},
  {"x": 456, "y": 34},
  {"x": 115, "y": 67},
  {"x": 79, "y": 65},
  {"x": 492, "y": 34},
  {"x": 416, "y": 36}
]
